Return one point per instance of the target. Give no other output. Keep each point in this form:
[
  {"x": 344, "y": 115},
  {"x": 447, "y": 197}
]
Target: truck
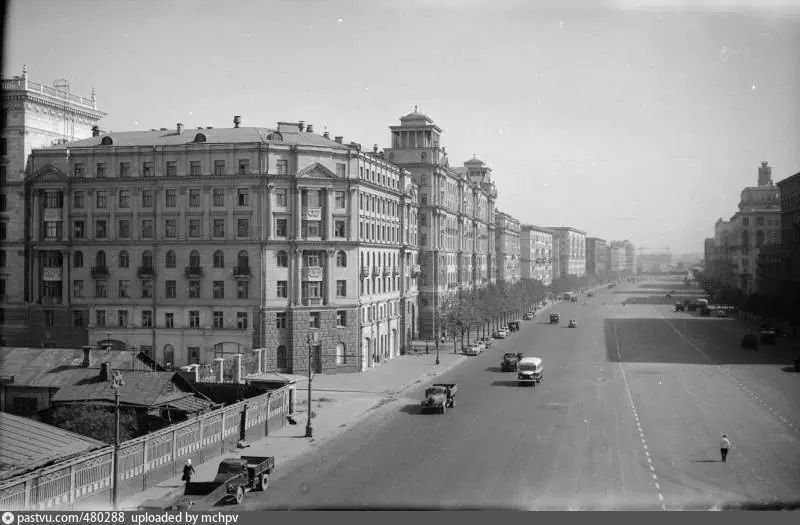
[
  {"x": 235, "y": 477},
  {"x": 439, "y": 396}
]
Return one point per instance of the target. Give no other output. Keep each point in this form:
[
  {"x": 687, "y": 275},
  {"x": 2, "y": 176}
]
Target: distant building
[
  {"x": 536, "y": 254},
  {"x": 570, "y": 246},
  {"x": 622, "y": 257},
  {"x": 789, "y": 271},
  {"x": 654, "y": 262},
  {"x": 596, "y": 256},
  {"x": 507, "y": 242}
]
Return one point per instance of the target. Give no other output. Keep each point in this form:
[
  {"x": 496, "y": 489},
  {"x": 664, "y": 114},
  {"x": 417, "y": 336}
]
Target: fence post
[
  {"x": 218, "y": 369},
  {"x": 237, "y": 369},
  {"x": 71, "y": 484}
]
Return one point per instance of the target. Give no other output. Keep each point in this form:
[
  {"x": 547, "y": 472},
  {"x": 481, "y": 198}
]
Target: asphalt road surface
[{"x": 628, "y": 416}]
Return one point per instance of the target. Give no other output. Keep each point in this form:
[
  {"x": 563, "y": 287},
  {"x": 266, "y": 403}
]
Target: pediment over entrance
[
  {"x": 316, "y": 171},
  {"x": 48, "y": 173}
]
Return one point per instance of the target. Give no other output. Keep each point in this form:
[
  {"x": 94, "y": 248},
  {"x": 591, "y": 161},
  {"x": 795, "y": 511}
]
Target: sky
[{"x": 627, "y": 119}]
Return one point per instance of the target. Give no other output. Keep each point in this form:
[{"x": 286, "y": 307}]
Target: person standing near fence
[{"x": 188, "y": 472}]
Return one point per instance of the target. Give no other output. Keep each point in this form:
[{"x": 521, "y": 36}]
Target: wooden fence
[{"x": 86, "y": 481}]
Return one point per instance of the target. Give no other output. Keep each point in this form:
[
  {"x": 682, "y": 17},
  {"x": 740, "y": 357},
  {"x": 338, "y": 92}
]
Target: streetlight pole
[
  {"x": 309, "y": 429},
  {"x": 116, "y": 383}
]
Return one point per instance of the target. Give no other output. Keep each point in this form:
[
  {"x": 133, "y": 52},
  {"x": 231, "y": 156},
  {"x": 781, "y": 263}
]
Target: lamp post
[
  {"x": 310, "y": 339},
  {"x": 108, "y": 341},
  {"x": 116, "y": 383}
]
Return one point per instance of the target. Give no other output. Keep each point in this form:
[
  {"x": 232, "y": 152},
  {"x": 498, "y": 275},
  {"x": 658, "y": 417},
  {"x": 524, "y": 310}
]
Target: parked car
[
  {"x": 473, "y": 349},
  {"x": 500, "y": 334},
  {"x": 721, "y": 313},
  {"x": 750, "y": 341},
  {"x": 554, "y": 318},
  {"x": 487, "y": 343},
  {"x": 527, "y": 317},
  {"x": 572, "y": 323},
  {"x": 680, "y": 307},
  {"x": 590, "y": 294}
]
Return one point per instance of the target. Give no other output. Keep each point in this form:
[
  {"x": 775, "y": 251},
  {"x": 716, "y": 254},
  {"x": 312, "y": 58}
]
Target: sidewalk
[{"x": 339, "y": 401}]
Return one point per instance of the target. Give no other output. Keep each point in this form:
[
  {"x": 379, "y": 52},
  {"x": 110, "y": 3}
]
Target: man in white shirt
[{"x": 724, "y": 445}]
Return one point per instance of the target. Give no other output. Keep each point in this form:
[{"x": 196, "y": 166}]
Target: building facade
[
  {"x": 193, "y": 244},
  {"x": 596, "y": 256},
  {"x": 507, "y": 242},
  {"x": 622, "y": 257},
  {"x": 455, "y": 219},
  {"x": 35, "y": 115},
  {"x": 789, "y": 271},
  {"x": 571, "y": 248},
  {"x": 536, "y": 254}
]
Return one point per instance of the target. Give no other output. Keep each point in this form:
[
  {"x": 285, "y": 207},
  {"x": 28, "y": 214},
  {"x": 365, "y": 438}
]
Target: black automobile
[
  {"x": 767, "y": 335},
  {"x": 554, "y": 318},
  {"x": 510, "y": 361},
  {"x": 680, "y": 307},
  {"x": 750, "y": 341}
]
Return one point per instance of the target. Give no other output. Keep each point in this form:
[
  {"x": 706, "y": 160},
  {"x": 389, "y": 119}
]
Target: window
[
  {"x": 243, "y": 197},
  {"x": 77, "y": 288},
  {"x": 147, "y": 229},
  {"x": 172, "y": 168},
  {"x": 124, "y": 169},
  {"x": 100, "y": 289},
  {"x": 194, "y": 228},
  {"x": 147, "y": 198},
  {"x": 280, "y": 320},
  {"x": 242, "y": 289},
  {"x": 194, "y": 289},
  {"x": 219, "y": 197},
  {"x": 313, "y": 321},
  {"x": 3, "y": 202},
  {"x": 242, "y": 259},
  {"x": 122, "y": 318},
  {"x": 219, "y": 289},
  {"x": 283, "y": 167},
  {"x": 147, "y": 288},
  {"x": 280, "y": 198},
  {"x": 194, "y": 198},
  {"x": 341, "y": 170},
  {"x": 218, "y": 320},
  {"x": 3, "y": 231},
  {"x": 282, "y": 290},
  {"x": 100, "y": 230},
  {"x": 244, "y": 166},
  {"x": 49, "y": 318},
  {"x": 280, "y": 227},
  {"x": 124, "y": 198},
  {"x": 147, "y": 318},
  {"x": 171, "y": 228},
  {"x": 170, "y": 259},
  {"x": 195, "y": 168},
  {"x": 311, "y": 228},
  {"x": 341, "y": 288},
  {"x": 170, "y": 198},
  {"x": 338, "y": 229},
  {"x": 194, "y": 319},
  {"x": 219, "y": 259},
  {"x": 100, "y": 318},
  {"x": 759, "y": 221},
  {"x": 147, "y": 169},
  {"x": 241, "y": 320},
  {"x": 124, "y": 259},
  {"x": 194, "y": 354},
  {"x": 219, "y": 167},
  {"x": 219, "y": 227},
  {"x": 169, "y": 289},
  {"x": 78, "y": 318},
  {"x": 243, "y": 227},
  {"x": 147, "y": 259},
  {"x": 194, "y": 259},
  {"x": 169, "y": 320},
  {"x": 101, "y": 170},
  {"x": 282, "y": 259},
  {"x": 339, "y": 200},
  {"x": 78, "y": 230},
  {"x": 281, "y": 357},
  {"x": 100, "y": 199},
  {"x": 78, "y": 200},
  {"x": 124, "y": 286},
  {"x": 77, "y": 259},
  {"x": 341, "y": 357},
  {"x": 341, "y": 318},
  {"x": 124, "y": 229}
]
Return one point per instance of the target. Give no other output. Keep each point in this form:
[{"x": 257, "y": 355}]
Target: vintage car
[
  {"x": 486, "y": 342},
  {"x": 767, "y": 335},
  {"x": 439, "y": 396},
  {"x": 473, "y": 349},
  {"x": 513, "y": 326},
  {"x": 527, "y": 317},
  {"x": 572, "y": 323},
  {"x": 680, "y": 307},
  {"x": 501, "y": 333},
  {"x": 529, "y": 371},
  {"x": 750, "y": 341},
  {"x": 510, "y": 361},
  {"x": 590, "y": 294},
  {"x": 554, "y": 318}
]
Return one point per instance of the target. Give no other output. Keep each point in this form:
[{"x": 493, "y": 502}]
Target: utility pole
[
  {"x": 309, "y": 340},
  {"x": 116, "y": 383}
]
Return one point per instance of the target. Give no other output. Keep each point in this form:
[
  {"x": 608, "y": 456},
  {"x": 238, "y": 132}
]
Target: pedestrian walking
[
  {"x": 724, "y": 446},
  {"x": 188, "y": 472}
]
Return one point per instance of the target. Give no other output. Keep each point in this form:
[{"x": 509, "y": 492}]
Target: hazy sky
[{"x": 622, "y": 120}]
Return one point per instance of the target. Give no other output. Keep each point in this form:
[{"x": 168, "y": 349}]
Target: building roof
[
  {"x": 55, "y": 367},
  {"x": 26, "y": 444}
]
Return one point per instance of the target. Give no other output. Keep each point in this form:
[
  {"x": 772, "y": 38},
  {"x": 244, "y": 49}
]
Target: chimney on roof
[
  {"x": 236, "y": 121},
  {"x": 87, "y": 356},
  {"x": 180, "y": 128},
  {"x": 163, "y": 129},
  {"x": 301, "y": 125},
  {"x": 326, "y": 134},
  {"x": 310, "y": 128},
  {"x": 374, "y": 148},
  {"x": 95, "y": 131},
  {"x": 339, "y": 139},
  {"x": 105, "y": 371},
  {"x": 209, "y": 127}
]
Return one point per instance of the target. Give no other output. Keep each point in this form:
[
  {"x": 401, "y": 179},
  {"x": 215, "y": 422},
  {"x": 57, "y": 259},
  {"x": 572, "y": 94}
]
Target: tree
[{"x": 94, "y": 422}]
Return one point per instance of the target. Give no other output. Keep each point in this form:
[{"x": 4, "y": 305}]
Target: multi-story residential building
[
  {"x": 34, "y": 116},
  {"x": 653, "y": 262},
  {"x": 622, "y": 258},
  {"x": 456, "y": 209},
  {"x": 192, "y": 244},
  {"x": 616, "y": 260},
  {"x": 570, "y": 244},
  {"x": 789, "y": 272},
  {"x": 536, "y": 254},
  {"x": 596, "y": 256},
  {"x": 507, "y": 242}
]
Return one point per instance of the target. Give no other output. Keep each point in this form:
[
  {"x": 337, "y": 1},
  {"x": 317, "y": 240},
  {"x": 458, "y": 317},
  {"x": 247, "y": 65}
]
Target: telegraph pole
[{"x": 116, "y": 383}]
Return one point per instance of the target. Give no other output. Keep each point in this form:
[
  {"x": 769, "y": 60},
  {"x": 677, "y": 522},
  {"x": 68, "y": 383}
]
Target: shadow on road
[
  {"x": 494, "y": 369},
  {"x": 506, "y": 382},
  {"x": 790, "y": 369},
  {"x": 705, "y": 461},
  {"x": 412, "y": 409}
]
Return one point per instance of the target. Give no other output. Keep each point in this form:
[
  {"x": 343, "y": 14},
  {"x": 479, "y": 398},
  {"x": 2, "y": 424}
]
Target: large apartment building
[
  {"x": 507, "y": 242},
  {"x": 596, "y": 256},
  {"x": 536, "y": 254},
  {"x": 194, "y": 243},
  {"x": 456, "y": 217},
  {"x": 570, "y": 246}
]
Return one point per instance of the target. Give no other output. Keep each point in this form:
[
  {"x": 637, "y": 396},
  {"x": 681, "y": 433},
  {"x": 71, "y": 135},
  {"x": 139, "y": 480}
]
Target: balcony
[
  {"x": 395, "y": 271},
  {"x": 387, "y": 271},
  {"x": 415, "y": 270},
  {"x": 312, "y": 301},
  {"x": 99, "y": 271},
  {"x": 193, "y": 271},
  {"x": 376, "y": 271},
  {"x": 146, "y": 272},
  {"x": 312, "y": 214},
  {"x": 50, "y": 301},
  {"x": 365, "y": 272},
  {"x": 241, "y": 272},
  {"x": 312, "y": 273}
]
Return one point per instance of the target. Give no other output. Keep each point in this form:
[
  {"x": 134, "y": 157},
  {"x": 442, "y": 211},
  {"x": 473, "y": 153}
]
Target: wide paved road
[{"x": 628, "y": 416}]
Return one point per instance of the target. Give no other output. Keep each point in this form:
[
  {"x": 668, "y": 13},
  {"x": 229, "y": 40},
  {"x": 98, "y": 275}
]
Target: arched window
[
  {"x": 281, "y": 360},
  {"x": 341, "y": 358},
  {"x": 219, "y": 259},
  {"x": 169, "y": 356},
  {"x": 124, "y": 259},
  {"x": 107, "y": 141},
  {"x": 100, "y": 259},
  {"x": 170, "y": 262},
  {"x": 147, "y": 259},
  {"x": 200, "y": 137},
  {"x": 243, "y": 260},
  {"x": 194, "y": 259},
  {"x": 77, "y": 260},
  {"x": 341, "y": 259},
  {"x": 283, "y": 259}
]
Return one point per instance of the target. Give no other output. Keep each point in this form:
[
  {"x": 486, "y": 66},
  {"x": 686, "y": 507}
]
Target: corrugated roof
[
  {"x": 189, "y": 404},
  {"x": 140, "y": 388},
  {"x": 26, "y": 444}
]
